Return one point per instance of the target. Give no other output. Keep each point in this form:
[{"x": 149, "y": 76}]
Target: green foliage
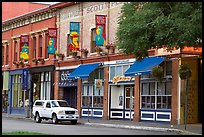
[
  {"x": 157, "y": 72},
  {"x": 23, "y": 133},
  {"x": 185, "y": 71},
  {"x": 146, "y": 25}
]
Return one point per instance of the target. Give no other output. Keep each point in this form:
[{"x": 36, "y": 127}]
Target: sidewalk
[{"x": 191, "y": 129}]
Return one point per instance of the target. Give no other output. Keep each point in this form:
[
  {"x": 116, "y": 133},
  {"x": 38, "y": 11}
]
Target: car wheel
[
  {"x": 54, "y": 119},
  {"x": 73, "y": 122},
  {"x": 37, "y": 118}
]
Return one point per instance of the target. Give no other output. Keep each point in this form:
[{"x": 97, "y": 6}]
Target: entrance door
[
  {"x": 129, "y": 102},
  {"x": 70, "y": 95}
]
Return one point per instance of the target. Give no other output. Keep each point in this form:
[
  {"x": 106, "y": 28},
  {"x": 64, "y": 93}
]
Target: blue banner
[{"x": 25, "y": 80}]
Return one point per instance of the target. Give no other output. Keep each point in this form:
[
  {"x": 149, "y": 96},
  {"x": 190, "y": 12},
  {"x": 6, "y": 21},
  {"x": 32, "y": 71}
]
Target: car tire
[
  {"x": 74, "y": 122},
  {"x": 54, "y": 119},
  {"x": 38, "y": 118}
]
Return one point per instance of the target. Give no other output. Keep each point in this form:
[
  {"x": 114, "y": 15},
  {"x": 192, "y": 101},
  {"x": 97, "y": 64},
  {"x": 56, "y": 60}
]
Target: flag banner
[
  {"x": 25, "y": 80},
  {"x": 52, "y": 40},
  {"x": 24, "y": 47},
  {"x": 100, "y": 30},
  {"x": 74, "y": 36}
]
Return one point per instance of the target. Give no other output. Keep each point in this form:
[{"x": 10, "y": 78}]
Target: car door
[{"x": 48, "y": 110}]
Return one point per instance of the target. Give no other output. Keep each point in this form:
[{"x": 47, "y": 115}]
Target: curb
[{"x": 143, "y": 128}]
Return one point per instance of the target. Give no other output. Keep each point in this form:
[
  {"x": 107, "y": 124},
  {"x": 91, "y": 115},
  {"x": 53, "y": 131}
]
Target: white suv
[{"x": 57, "y": 110}]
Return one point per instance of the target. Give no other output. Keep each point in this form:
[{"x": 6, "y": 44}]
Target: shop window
[
  {"x": 118, "y": 70},
  {"x": 93, "y": 35},
  {"x": 19, "y": 96},
  {"x": 40, "y": 46},
  {"x": 156, "y": 95},
  {"x": 45, "y": 83},
  {"x": 34, "y": 47},
  {"x": 92, "y": 97}
]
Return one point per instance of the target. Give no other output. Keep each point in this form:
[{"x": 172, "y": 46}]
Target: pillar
[
  {"x": 105, "y": 95},
  {"x": 136, "y": 117}
]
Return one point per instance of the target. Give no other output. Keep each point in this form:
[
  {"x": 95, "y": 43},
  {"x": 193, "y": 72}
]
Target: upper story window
[
  {"x": 15, "y": 50},
  {"x": 93, "y": 35},
  {"x": 68, "y": 42},
  {"x": 2, "y": 50},
  {"x": 40, "y": 46},
  {"x": 118, "y": 70},
  {"x": 34, "y": 47},
  {"x": 46, "y": 45}
]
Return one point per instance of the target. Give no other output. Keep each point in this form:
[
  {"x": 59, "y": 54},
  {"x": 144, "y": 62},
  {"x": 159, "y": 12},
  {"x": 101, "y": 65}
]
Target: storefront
[
  {"x": 69, "y": 87},
  {"x": 92, "y": 89},
  {"x": 42, "y": 83},
  {"x": 121, "y": 90},
  {"x": 5, "y": 77},
  {"x": 18, "y": 94}
]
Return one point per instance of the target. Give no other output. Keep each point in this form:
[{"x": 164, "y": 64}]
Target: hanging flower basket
[
  {"x": 74, "y": 53},
  {"x": 16, "y": 63},
  {"x": 60, "y": 55},
  {"x": 21, "y": 63},
  {"x": 185, "y": 71},
  {"x": 84, "y": 52},
  {"x": 157, "y": 72}
]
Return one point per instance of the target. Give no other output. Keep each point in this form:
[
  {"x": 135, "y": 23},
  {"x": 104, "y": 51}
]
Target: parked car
[{"x": 56, "y": 110}]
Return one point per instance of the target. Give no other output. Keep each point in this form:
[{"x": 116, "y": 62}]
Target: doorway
[{"x": 70, "y": 95}]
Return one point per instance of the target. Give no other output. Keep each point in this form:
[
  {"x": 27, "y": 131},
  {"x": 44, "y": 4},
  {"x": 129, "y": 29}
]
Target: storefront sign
[{"x": 117, "y": 79}]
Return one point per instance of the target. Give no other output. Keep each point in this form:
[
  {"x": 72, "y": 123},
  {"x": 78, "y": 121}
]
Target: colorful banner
[
  {"x": 98, "y": 84},
  {"x": 52, "y": 40},
  {"x": 100, "y": 30},
  {"x": 24, "y": 47},
  {"x": 25, "y": 80},
  {"x": 74, "y": 36}
]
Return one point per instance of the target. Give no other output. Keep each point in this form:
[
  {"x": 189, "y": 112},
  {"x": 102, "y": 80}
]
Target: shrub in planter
[{"x": 157, "y": 72}]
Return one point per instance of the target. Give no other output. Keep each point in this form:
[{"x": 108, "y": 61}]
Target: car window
[
  {"x": 48, "y": 105},
  {"x": 63, "y": 103},
  {"x": 55, "y": 104},
  {"x": 39, "y": 103}
]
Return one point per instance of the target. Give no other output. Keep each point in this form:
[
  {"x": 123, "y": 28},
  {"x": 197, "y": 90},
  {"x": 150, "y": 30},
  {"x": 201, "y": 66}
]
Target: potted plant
[
  {"x": 184, "y": 71},
  {"x": 34, "y": 60},
  {"x": 16, "y": 63},
  {"x": 84, "y": 52},
  {"x": 21, "y": 63},
  {"x": 60, "y": 55},
  {"x": 157, "y": 72},
  {"x": 74, "y": 53},
  {"x": 41, "y": 60},
  {"x": 98, "y": 49}
]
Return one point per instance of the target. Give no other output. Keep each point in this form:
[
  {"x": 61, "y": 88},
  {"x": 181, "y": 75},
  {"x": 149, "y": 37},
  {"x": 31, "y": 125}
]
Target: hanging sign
[
  {"x": 52, "y": 40},
  {"x": 24, "y": 47},
  {"x": 100, "y": 30}
]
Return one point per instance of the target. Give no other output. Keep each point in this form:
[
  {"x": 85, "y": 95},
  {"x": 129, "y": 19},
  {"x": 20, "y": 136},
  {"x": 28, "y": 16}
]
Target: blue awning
[
  {"x": 83, "y": 71},
  {"x": 144, "y": 67}
]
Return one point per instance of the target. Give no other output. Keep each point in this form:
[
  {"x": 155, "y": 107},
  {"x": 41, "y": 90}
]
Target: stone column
[{"x": 56, "y": 81}]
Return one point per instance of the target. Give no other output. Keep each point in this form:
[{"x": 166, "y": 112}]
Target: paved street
[{"x": 65, "y": 128}]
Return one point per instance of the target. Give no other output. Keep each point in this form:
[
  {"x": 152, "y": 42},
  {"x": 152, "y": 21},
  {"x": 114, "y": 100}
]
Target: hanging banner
[
  {"x": 74, "y": 36},
  {"x": 24, "y": 47},
  {"x": 25, "y": 80},
  {"x": 100, "y": 30},
  {"x": 52, "y": 40}
]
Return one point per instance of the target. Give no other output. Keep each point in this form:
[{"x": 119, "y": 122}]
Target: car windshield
[{"x": 59, "y": 104}]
